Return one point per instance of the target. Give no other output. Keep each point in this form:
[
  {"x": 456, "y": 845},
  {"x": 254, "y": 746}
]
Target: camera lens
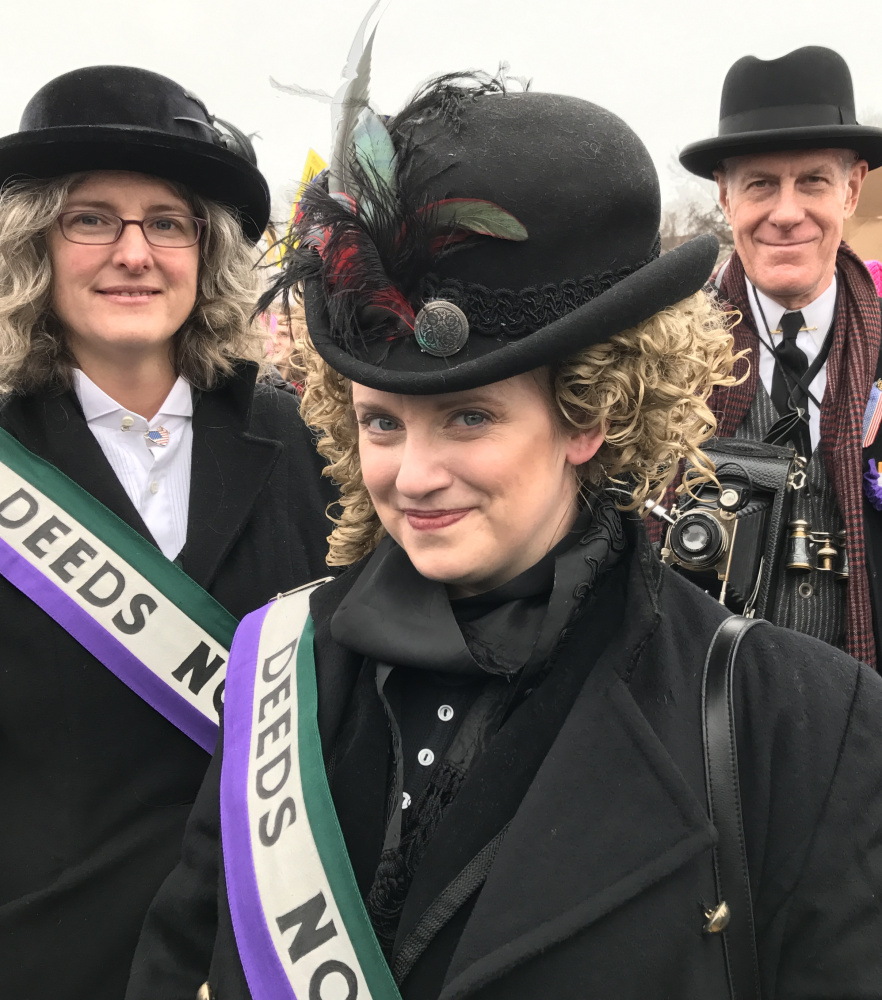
[
  {"x": 697, "y": 540},
  {"x": 695, "y": 537}
]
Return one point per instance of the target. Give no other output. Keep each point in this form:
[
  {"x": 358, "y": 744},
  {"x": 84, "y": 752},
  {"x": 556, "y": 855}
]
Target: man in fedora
[{"x": 789, "y": 161}]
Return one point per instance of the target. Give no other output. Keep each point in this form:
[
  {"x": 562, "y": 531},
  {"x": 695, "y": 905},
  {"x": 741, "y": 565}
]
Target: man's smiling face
[{"x": 787, "y": 211}]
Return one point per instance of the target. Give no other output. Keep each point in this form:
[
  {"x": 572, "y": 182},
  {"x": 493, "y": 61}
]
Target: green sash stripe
[
  {"x": 326, "y": 830},
  {"x": 168, "y": 578}
]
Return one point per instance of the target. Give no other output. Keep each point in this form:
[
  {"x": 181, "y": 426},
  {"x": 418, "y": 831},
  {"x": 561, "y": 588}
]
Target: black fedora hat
[
  {"x": 804, "y": 100},
  {"x": 123, "y": 118},
  {"x": 567, "y": 201}
]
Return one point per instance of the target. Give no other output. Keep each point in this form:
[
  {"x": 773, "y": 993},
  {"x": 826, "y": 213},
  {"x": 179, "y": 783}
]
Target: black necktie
[{"x": 787, "y": 394}]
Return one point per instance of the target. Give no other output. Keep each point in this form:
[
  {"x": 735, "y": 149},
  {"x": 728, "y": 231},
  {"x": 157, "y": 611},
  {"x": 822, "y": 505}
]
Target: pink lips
[
  {"x": 431, "y": 520},
  {"x": 128, "y": 296}
]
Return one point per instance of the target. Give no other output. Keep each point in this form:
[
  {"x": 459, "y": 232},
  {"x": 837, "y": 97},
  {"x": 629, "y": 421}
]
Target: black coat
[
  {"x": 95, "y": 785},
  {"x": 600, "y": 884}
]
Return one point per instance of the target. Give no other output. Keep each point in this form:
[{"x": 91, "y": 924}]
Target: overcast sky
[{"x": 659, "y": 64}]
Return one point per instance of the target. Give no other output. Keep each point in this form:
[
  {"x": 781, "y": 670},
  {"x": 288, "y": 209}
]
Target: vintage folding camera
[{"x": 730, "y": 539}]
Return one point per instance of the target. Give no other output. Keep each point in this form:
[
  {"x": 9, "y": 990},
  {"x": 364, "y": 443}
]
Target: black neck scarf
[{"x": 396, "y": 616}]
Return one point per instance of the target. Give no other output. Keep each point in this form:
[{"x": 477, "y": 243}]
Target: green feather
[
  {"x": 374, "y": 149},
  {"x": 479, "y": 216}
]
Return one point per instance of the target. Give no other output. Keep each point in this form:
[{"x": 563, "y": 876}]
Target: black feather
[{"x": 373, "y": 261}]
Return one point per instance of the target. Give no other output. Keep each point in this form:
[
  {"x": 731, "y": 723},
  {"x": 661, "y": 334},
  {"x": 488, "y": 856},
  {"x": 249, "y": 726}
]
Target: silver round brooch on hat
[{"x": 441, "y": 328}]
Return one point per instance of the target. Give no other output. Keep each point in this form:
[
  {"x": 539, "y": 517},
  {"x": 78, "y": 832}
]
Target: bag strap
[{"x": 724, "y": 801}]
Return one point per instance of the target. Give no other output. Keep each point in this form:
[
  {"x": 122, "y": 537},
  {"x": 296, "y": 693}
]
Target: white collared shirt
[
  {"x": 818, "y": 317},
  {"x": 156, "y": 478}
]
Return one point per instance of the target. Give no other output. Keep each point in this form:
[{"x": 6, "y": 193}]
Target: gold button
[{"x": 717, "y": 918}]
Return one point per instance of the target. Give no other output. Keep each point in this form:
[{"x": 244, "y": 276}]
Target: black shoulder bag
[{"x": 733, "y": 915}]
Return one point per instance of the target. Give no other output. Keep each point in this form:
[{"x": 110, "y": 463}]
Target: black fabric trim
[
  {"x": 786, "y": 116},
  {"x": 517, "y": 313},
  {"x": 440, "y": 912}
]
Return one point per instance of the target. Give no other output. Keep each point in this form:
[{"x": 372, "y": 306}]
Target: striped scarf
[{"x": 851, "y": 368}]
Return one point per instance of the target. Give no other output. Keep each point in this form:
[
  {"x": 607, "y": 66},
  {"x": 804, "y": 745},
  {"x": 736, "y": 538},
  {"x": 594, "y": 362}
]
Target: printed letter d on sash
[{"x": 11, "y": 514}]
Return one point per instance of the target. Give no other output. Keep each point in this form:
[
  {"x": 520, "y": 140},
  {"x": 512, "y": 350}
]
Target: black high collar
[{"x": 395, "y": 615}]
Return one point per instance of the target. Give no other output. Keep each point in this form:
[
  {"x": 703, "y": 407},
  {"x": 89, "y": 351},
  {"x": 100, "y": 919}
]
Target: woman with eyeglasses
[{"x": 150, "y": 496}]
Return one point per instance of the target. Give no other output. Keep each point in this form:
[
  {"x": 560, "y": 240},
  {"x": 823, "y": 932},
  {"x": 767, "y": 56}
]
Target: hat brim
[
  {"x": 704, "y": 157},
  {"x": 211, "y": 171},
  {"x": 401, "y": 367}
]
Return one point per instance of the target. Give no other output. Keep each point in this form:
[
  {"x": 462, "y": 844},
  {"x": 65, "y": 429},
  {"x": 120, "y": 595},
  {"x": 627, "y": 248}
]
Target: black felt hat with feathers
[
  {"x": 123, "y": 118},
  {"x": 480, "y": 234}
]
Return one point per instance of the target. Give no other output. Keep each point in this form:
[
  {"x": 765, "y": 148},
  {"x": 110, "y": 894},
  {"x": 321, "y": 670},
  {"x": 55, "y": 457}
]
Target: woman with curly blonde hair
[
  {"x": 128, "y": 224},
  {"x": 646, "y": 388},
  {"x": 478, "y": 770}
]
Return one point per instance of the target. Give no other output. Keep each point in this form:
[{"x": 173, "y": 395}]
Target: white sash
[
  {"x": 114, "y": 592},
  {"x": 301, "y": 927}
]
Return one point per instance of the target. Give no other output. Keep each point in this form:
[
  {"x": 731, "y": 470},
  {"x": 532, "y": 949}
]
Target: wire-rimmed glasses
[{"x": 104, "y": 228}]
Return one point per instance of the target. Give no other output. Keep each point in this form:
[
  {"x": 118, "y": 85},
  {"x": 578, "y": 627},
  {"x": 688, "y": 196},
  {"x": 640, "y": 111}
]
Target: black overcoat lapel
[
  {"x": 52, "y": 426},
  {"x": 230, "y": 467},
  {"x": 336, "y": 667},
  {"x": 555, "y": 874}
]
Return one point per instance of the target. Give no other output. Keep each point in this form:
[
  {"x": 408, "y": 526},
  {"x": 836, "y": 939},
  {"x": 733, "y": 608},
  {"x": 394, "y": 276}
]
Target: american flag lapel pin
[
  {"x": 158, "y": 437},
  {"x": 872, "y": 415}
]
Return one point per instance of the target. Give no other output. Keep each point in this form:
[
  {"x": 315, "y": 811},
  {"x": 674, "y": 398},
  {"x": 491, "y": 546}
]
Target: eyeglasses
[{"x": 102, "y": 229}]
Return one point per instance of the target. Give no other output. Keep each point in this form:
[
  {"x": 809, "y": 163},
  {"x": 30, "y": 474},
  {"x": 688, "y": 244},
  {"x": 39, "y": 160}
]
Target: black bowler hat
[
  {"x": 514, "y": 230},
  {"x": 803, "y": 100},
  {"x": 122, "y": 118}
]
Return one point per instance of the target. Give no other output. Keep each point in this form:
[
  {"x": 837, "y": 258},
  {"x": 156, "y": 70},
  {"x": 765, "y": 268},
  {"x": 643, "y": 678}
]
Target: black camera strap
[
  {"x": 803, "y": 382},
  {"x": 724, "y": 802}
]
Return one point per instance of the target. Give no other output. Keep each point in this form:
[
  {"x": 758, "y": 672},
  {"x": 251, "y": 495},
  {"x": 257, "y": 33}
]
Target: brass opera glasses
[{"x": 829, "y": 556}]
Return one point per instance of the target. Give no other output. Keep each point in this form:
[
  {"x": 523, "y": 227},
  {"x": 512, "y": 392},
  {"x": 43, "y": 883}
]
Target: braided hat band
[{"x": 505, "y": 312}]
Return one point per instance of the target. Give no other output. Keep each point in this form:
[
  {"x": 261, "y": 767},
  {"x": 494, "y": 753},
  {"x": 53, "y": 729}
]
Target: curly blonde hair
[
  {"x": 33, "y": 348},
  {"x": 647, "y": 387}
]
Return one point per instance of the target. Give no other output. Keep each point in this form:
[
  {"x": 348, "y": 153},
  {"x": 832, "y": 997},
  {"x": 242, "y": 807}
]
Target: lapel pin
[
  {"x": 158, "y": 437},
  {"x": 872, "y": 415}
]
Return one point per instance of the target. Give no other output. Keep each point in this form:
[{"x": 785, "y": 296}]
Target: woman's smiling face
[
  {"x": 476, "y": 486},
  {"x": 127, "y": 298}
]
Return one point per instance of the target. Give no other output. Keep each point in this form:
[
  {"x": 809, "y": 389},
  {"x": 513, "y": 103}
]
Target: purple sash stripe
[
  {"x": 106, "y": 648},
  {"x": 263, "y": 972}
]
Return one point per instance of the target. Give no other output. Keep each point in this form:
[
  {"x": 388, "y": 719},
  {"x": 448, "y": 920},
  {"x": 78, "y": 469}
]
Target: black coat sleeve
[
  {"x": 174, "y": 952},
  {"x": 832, "y": 925}
]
